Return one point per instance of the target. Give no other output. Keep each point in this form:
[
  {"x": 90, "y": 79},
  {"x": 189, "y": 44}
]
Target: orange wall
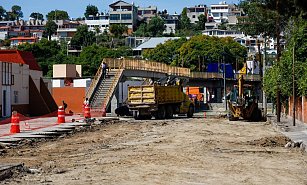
[
  {"x": 304, "y": 109},
  {"x": 193, "y": 90},
  {"x": 73, "y": 96},
  {"x": 300, "y": 106}
]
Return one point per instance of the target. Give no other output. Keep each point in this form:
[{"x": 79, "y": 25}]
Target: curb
[{"x": 285, "y": 130}]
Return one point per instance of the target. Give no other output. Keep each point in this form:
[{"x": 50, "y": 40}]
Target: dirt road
[{"x": 178, "y": 151}]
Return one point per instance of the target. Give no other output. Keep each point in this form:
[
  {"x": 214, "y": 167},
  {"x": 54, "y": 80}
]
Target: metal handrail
[
  {"x": 112, "y": 87},
  {"x": 147, "y": 66},
  {"x": 94, "y": 82}
]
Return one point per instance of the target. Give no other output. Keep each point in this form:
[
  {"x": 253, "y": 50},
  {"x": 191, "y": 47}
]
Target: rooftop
[
  {"x": 153, "y": 42},
  {"x": 19, "y": 57}
]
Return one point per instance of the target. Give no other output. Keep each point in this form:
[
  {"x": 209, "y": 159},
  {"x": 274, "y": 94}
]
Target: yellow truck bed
[{"x": 154, "y": 94}]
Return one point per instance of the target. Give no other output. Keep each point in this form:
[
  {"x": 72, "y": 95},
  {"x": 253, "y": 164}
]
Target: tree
[
  {"x": 258, "y": 19},
  {"x": 268, "y": 18},
  {"x": 118, "y": 30},
  {"x": 201, "y": 24},
  {"x": 37, "y": 16},
  {"x": 91, "y": 57},
  {"x": 205, "y": 48},
  {"x": 2, "y": 13},
  {"x": 16, "y": 12},
  {"x": 50, "y": 28},
  {"x": 184, "y": 22},
  {"x": 91, "y": 10},
  {"x": 141, "y": 31},
  {"x": 83, "y": 37},
  {"x": 57, "y": 15},
  {"x": 223, "y": 26},
  {"x": 279, "y": 74},
  {"x": 167, "y": 53},
  {"x": 156, "y": 26},
  {"x": 45, "y": 53}
]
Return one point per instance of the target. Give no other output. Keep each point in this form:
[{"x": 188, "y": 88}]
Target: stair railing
[
  {"x": 110, "y": 92},
  {"x": 94, "y": 83}
]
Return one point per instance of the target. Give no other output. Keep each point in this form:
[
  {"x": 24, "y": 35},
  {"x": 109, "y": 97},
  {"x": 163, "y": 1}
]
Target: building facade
[
  {"x": 219, "y": 12},
  {"x": 147, "y": 13},
  {"x": 69, "y": 86},
  {"x": 66, "y": 29},
  {"x": 15, "y": 41},
  {"x": 101, "y": 22},
  {"x": 21, "y": 28},
  {"x": 21, "y": 85},
  {"x": 123, "y": 13},
  {"x": 194, "y": 12},
  {"x": 171, "y": 23}
]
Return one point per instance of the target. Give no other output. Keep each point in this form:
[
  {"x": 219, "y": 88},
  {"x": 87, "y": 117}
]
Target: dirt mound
[{"x": 276, "y": 141}]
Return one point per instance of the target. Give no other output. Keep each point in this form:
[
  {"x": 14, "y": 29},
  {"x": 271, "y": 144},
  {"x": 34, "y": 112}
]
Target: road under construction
[
  {"x": 181, "y": 150},
  {"x": 87, "y": 148}
]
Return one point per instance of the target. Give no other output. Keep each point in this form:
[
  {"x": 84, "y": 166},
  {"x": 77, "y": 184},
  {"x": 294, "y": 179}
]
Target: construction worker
[
  {"x": 64, "y": 105},
  {"x": 104, "y": 70},
  {"x": 85, "y": 103}
]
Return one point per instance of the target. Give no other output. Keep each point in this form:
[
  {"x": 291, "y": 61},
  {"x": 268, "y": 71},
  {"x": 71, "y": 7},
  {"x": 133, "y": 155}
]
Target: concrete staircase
[{"x": 105, "y": 88}]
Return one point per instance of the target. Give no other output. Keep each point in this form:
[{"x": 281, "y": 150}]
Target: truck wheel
[
  {"x": 161, "y": 112},
  {"x": 136, "y": 115},
  {"x": 147, "y": 117},
  {"x": 169, "y": 112},
  {"x": 190, "y": 111},
  {"x": 232, "y": 118}
]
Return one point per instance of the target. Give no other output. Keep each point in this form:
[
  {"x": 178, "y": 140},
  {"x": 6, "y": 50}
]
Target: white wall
[
  {"x": 21, "y": 84},
  {"x": 169, "y": 28},
  {"x": 82, "y": 82},
  {"x": 102, "y": 24},
  {"x": 58, "y": 83},
  {"x": 3, "y": 35}
]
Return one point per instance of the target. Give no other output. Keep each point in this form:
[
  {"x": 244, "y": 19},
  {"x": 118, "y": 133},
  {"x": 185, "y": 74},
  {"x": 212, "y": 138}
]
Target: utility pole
[
  {"x": 278, "y": 94},
  {"x": 224, "y": 71},
  {"x": 263, "y": 73},
  {"x": 293, "y": 84}
]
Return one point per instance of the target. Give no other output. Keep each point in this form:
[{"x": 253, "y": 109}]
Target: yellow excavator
[{"x": 245, "y": 105}]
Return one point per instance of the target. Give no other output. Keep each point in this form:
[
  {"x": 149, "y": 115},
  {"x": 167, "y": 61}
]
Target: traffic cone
[
  {"x": 87, "y": 112},
  {"x": 15, "y": 127},
  {"x": 61, "y": 115},
  {"x": 205, "y": 115}
]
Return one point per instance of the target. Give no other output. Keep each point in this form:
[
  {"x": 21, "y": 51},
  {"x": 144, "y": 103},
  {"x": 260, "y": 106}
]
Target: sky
[{"x": 76, "y": 8}]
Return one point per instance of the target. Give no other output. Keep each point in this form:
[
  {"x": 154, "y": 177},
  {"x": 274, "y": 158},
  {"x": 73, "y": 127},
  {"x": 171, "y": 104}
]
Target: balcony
[{"x": 66, "y": 29}]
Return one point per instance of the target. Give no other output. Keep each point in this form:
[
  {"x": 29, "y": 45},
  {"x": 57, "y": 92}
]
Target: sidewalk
[
  {"x": 295, "y": 133},
  {"x": 34, "y": 124}
]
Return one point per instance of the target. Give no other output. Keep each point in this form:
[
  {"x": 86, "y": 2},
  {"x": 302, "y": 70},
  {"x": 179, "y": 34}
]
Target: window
[
  {"x": 114, "y": 17},
  {"x": 6, "y": 73},
  {"x": 215, "y": 14},
  {"x": 200, "y": 10},
  {"x": 126, "y": 16},
  {"x": 147, "y": 12},
  {"x": 12, "y": 79},
  {"x": 15, "y": 96}
]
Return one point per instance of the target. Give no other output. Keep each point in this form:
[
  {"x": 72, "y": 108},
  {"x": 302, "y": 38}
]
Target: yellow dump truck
[{"x": 162, "y": 102}]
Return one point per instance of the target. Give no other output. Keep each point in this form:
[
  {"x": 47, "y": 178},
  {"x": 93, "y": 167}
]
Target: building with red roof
[
  {"x": 22, "y": 88},
  {"x": 21, "y": 40}
]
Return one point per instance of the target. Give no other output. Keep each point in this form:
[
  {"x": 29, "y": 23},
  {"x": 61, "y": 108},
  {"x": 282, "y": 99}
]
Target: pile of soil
[{"x": 276, "y": 141}]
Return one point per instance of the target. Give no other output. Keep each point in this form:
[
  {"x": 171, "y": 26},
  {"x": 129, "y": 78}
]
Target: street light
[
  {"x": 293, "y": 84},
  {"x": 224, "y": 78}
]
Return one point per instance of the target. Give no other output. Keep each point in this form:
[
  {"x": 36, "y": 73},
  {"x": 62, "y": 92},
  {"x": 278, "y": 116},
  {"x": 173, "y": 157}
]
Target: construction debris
[{"x": 298, "y": 144}]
